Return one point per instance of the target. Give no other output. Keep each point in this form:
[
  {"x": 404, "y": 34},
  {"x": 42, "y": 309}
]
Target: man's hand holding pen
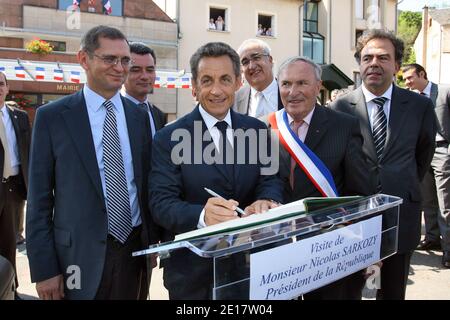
[{"x": 220, "y": 210}]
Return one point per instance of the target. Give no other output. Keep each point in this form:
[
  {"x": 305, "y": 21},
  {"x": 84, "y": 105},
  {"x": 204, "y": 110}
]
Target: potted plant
[{"x": 39, "y": 46}]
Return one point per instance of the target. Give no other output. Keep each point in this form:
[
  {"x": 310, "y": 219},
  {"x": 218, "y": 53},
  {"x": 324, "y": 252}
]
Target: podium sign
[
  {"x": 360, "y": 232},
  {"x": 288, "y": 271}
]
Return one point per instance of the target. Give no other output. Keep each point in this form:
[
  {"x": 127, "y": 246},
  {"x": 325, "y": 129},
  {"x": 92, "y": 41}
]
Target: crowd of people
[
  {"x": 264, "y": 31},
  {"x": 218, "y": 24},
  {"x": 101, "y": 182}
]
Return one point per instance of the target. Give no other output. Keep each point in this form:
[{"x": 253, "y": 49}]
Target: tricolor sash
[{"x": 313, "y": 167}]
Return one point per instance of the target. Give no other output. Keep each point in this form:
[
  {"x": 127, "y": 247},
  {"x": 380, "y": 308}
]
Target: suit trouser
[
  {"x": 394, "y": 277},
  {"x": 11, "y": 202},
  {"x": 124, "y": 277},
  {"x": 436, "y": 198},
  {"x": 348, "y": 288},
  {"x": 20, "y": 213}
]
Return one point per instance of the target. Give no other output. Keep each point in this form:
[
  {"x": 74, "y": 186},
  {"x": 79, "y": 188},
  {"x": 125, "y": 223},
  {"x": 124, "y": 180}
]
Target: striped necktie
[
  {"x": 117, "y": 197},
  {"x": 379, "y": 126}
]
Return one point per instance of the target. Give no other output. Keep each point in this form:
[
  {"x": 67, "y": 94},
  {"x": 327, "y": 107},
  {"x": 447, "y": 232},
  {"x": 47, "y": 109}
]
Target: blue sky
[{"x": 417, "y": 5}]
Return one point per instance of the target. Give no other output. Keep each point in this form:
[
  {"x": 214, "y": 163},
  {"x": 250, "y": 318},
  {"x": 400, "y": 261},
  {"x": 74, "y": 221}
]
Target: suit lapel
[
  {"x": 236, "y": 120},
  {"x": 396, "y": 117},
  {"x": 77, "y": 121},
  {"x": 243, "y": 100},
  {"x": 155, "y": 117},
  {"x": 317, "y": 128},
  {"x": 360, "y": 109},
  {"x": 15, "y": 122},
  {"x": 133, "y": 121},
  {"x": 434, "y": 93}
]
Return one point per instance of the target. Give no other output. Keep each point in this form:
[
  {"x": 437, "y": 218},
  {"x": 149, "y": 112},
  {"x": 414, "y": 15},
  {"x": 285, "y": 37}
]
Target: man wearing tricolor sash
[{"x": 320, "y": 152}]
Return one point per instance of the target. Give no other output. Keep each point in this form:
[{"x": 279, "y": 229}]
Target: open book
[{"x": 288, "y": 210}]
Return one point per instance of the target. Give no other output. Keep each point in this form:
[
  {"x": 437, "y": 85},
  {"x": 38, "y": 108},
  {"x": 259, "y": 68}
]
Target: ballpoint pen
[{"x": 239, "y": 211}]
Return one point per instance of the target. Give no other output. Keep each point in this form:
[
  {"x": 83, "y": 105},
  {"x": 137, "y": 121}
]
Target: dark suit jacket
[
  {"x": 242, "y": 100},
  {"x": 336, "y": 139},
  {"x": 406, "y": 156},
  {"x": 440, "y": 95},
  {"x": 159, "y": 117},
  {"x": 67, "y": 221},
  {"x": 22, "y": 130},
  {"x": 177, "y": 197}
]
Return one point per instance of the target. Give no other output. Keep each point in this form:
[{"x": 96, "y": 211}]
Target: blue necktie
[{"x": 117, "y": 197}]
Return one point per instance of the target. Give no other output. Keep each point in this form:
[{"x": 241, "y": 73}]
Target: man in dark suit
[
  {"x": 87, "y": 205},
  {"x": 137, "y": 87},
  {"x": 399, "y": 131},
  {"x": 14, "y": 149},
  {"x": 335, "y": 139},
  {"x": 436, "y": 183},
  {"x": 260, "y": 95},
  {"x": 140, "y": 81},
  {"x": 20, "y": 213},
  {"x": 178, "y": 201}
]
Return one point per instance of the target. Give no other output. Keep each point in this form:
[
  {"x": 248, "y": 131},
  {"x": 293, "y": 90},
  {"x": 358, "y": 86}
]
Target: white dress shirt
[
  {"x": 12, "y": 140},
  {"x": 264, "y": 102},
  {"x": 210, "y": 122},
  {"x": 426, "y": 90},
  {"x": 303, "y": 129},
  {"x": 150, "y": 115},
  {"x": 97, "y": 115},
  {"x": 372, "y": 107}
]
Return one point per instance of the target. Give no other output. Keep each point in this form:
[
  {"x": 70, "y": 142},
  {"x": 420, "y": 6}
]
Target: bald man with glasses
[{"x": 260, "y": 96}]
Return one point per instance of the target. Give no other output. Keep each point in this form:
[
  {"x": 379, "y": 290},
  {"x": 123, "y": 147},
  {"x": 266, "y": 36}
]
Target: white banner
[{"x": 288, "y": 271}]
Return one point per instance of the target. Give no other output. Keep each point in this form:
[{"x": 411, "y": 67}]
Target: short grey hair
[
  {"x": 316, "y": 67},
  {"x": 250, "y": 42}
]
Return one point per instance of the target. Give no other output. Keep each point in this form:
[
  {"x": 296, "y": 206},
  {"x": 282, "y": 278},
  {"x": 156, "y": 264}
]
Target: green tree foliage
[{"x": 409, "y": 25}]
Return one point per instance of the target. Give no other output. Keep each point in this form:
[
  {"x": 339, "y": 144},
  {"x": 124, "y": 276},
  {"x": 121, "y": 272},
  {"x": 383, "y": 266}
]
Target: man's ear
[
  {"x": 194, "y": 93},
  {"x": 82, "y": 59}
]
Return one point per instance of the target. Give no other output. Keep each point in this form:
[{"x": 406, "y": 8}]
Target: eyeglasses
[
  {"x": 253, "y": 58},
  {"x": 113, "y": 60}
]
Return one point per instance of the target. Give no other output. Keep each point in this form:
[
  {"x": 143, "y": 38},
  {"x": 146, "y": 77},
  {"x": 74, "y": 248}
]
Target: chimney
[{"x": 425, "y": 36}]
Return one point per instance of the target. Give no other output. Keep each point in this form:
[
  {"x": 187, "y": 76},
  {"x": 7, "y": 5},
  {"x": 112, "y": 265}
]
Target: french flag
[
  {"x": 58, "y": 75},
  {"x": 2, "y": 69},
  {"x": 157, "y": 83},
  {"x": 107, "y": 8},
  {"x": 75, "y": 76},
  {"x": 20, "y": 72},
  {"x": 40, "y": 73},
  {"x": 76, "y": 4},
  {"x": 185, "y": 83},
  {"x": 171, "y": 83}
]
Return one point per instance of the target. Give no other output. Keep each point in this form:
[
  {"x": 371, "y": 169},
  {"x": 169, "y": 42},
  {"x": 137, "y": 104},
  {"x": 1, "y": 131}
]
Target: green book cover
[{"x": 289, "y": 210}]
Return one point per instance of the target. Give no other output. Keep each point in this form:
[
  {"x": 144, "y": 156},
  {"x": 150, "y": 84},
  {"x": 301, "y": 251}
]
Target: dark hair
[
  {"x": 416, "y": 67},
  {"x": 371, "y": 34},
  {"x": 4, "y": 75},
  {"x": 141, "y": 49},
  {"x": 215, "y": 49},
  {"x": 90, "y": 41}
]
